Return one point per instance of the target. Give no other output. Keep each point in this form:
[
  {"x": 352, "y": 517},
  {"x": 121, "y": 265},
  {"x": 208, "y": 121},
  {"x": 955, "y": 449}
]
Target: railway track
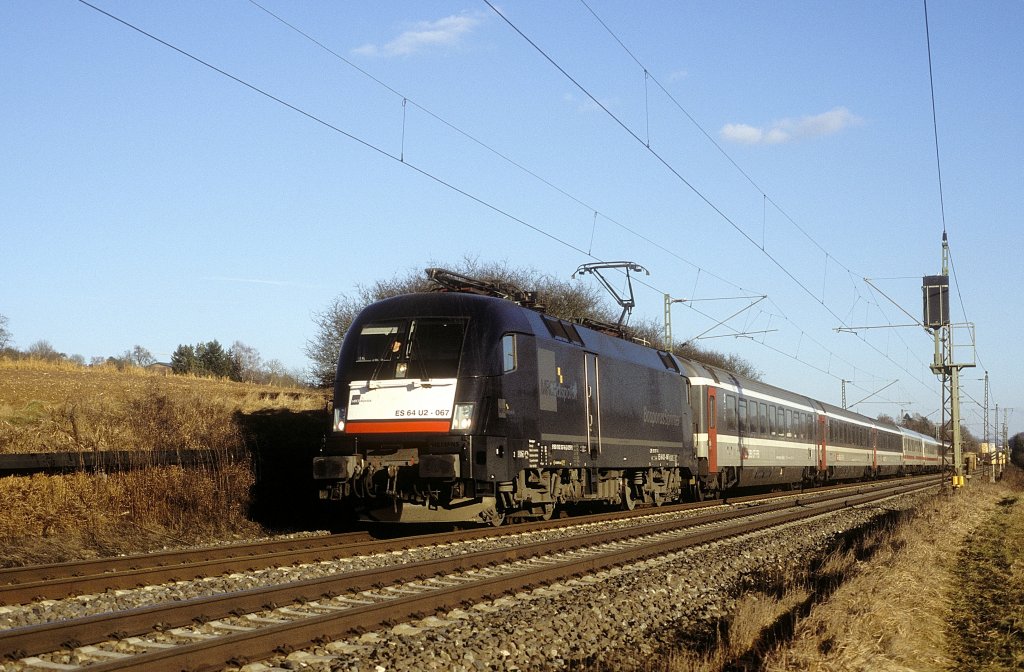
[
  {"x": 209, "y": 632},
  {"x": 19, "y": 585}
]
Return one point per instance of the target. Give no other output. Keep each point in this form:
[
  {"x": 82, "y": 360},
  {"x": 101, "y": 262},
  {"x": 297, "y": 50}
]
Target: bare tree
[
  {"x": 139, "y": 356},
  {"x": 246, "y": 362},
  {"x": 43, "y": 350},
  {"x": 5, "y": 335},
  {"x": 570, "y": 300}
]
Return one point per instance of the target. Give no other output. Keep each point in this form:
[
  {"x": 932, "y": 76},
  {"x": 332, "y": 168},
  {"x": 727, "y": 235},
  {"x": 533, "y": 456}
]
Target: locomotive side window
[
  {"x": 574, "y": 336},
  {"x": 563, "y": 331},
  {"x": 508, "y": 353}
]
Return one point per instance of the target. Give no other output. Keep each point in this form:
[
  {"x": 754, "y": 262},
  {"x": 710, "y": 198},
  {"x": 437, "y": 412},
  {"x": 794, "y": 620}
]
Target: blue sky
[{"x": 783, "y": 148}]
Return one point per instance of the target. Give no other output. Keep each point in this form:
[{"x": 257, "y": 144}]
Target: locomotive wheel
[
  {"x": 627, "y": 501},
  {"x": 696, "y": 492}
]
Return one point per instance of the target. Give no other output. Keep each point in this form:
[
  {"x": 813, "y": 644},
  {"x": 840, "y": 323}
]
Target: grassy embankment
[
  {"x": 243, "y": 428},
  {"x": 942, "y": 589}
]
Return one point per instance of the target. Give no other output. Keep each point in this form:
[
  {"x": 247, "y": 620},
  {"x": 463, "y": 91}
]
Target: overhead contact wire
[{"x": 686, "y": 182}]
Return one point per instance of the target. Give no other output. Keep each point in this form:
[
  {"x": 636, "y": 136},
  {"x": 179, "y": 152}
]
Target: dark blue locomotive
[{"x": 452, "y": 406}]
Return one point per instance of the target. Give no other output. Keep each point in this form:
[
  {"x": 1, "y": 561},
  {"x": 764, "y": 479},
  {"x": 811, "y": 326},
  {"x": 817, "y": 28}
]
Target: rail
[{"x": 397, "y": 592}]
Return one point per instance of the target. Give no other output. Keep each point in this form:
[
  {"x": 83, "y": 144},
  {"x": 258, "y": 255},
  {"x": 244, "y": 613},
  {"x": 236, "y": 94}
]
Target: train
[{"x": 472, "y": 405}]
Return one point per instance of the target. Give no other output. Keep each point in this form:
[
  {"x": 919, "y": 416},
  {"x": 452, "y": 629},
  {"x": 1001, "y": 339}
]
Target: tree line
[
  {"x": 572, "y": 301},
  {"x": 240, "y": 362}
]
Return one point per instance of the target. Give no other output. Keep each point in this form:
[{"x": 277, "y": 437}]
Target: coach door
[
  {"x": 592, "y": 375},
  {"x": 874, "y": 450},
  {"x": 711, "y": 422},
  {"x": 822, "y": 436}
]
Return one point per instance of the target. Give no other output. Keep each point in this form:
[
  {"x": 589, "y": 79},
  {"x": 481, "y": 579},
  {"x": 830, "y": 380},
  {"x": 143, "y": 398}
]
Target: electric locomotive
[
  {"x": 465, "y": 406},
  {"x": 460, "y": 407}
]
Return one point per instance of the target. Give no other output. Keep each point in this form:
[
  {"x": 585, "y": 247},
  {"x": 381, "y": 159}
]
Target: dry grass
[
  {"x": 900, "y": 599},
  {"x": 745, "y": 628},
  {"x": 986, "y": 631},
  {"x": 892, "y": 613},
  {"x": 51, "y": 407},
  {"x": 46, "y": 407}
]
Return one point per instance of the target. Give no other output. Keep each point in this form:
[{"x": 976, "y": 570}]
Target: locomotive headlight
[
  {"x": 339, "y": 419},
  {"x": 462, "y": 417}
]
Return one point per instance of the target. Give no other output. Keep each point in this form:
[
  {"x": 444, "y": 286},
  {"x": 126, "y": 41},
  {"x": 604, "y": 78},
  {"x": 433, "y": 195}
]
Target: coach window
[
  {"x": 789, "y": 423},
  {"x": 763, "y": 418},
  {"x": 771, "y": 420},
  {"x": 730, "y": 413},
  {"x": 744, "y": 426},
  {"x": 508, "y": 352}
]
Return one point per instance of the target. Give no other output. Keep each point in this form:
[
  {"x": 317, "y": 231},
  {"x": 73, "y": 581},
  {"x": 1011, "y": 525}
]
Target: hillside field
[{"x": 258, "y": 439}]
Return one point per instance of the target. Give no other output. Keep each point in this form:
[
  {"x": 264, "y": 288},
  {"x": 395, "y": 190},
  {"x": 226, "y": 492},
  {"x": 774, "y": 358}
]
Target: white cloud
[
  {"x": 444, "y": 32},
  {"x": 788, "y": 130},
  {"x": 743, "y": 133}
]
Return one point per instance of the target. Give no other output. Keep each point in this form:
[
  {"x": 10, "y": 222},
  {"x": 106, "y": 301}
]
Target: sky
[{"x": 225, "y": 170}]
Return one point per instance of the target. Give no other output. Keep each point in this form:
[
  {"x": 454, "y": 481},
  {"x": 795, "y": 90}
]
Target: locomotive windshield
[{"x": 422, "y": 348}]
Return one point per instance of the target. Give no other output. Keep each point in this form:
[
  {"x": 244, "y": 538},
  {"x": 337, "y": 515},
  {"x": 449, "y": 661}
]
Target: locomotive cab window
[
  {"x": 422, "y": 348},
  {"x": 378, "y": 343}
]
